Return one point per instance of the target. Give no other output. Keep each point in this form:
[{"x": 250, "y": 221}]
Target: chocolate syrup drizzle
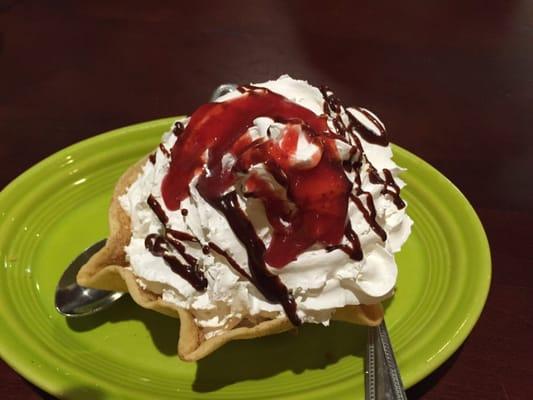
[
  {"x": 369, "y": 213},
  {"x": 230, "y": 259},
  {"x": 269, "y": 285},
  {"x": 332, "y": 108},
  {"x": 164, "y": 150},
  {"x": 157, "y": 209},
  {"x": 162, "y": 245},
  {"x": 332, "y": 104},
  {"x": 322, "y": 212},
  {"x": 177, "y": 129},
  {"x": 389, "y": 186},
  {"x": 355, "y": 252}
]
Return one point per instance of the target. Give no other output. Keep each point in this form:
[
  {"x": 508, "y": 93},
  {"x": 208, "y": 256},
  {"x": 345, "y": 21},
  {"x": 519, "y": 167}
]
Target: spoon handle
[
  {"x": 382, "y": 376},
  {"x": 223, "y": 89}
]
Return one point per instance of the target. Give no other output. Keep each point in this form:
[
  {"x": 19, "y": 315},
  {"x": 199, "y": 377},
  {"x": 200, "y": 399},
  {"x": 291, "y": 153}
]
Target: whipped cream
[{"x": 321, "y": 280}]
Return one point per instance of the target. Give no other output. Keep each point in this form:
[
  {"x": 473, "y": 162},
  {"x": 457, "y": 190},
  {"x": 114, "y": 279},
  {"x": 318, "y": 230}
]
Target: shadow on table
[{"x": 163, "y": 330}]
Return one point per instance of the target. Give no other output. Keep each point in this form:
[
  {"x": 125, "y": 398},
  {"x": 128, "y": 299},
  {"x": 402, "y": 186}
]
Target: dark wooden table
[{"x": 453, "y": 80}]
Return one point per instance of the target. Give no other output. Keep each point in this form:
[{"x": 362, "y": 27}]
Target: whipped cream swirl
[{"x": 322, "y": 278}]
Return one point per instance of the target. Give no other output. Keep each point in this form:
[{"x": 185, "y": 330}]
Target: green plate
[{"x": 58, "y": 208}]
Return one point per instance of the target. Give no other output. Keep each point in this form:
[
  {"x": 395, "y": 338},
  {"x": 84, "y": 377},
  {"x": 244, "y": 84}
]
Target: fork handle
[{"x": 382, "y": 376}]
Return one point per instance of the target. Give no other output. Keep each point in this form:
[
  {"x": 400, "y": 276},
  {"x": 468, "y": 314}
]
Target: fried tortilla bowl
[{"x": 106, "y": 270}]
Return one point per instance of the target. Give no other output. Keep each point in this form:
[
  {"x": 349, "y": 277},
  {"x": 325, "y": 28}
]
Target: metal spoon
[
  {"x": 73, "y": 300},
  {"x": 76, "y": 301}
]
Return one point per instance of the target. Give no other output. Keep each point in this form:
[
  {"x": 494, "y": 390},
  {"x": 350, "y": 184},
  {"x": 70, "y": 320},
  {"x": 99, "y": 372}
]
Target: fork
[{"x": 382, "y": 376}]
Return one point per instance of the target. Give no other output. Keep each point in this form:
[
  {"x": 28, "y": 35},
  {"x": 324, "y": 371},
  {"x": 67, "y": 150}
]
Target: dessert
[{"x": 271, "y": 207}]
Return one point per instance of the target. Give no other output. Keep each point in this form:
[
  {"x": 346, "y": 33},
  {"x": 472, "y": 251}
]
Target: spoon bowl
[{"x": 73, "y": 300}]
